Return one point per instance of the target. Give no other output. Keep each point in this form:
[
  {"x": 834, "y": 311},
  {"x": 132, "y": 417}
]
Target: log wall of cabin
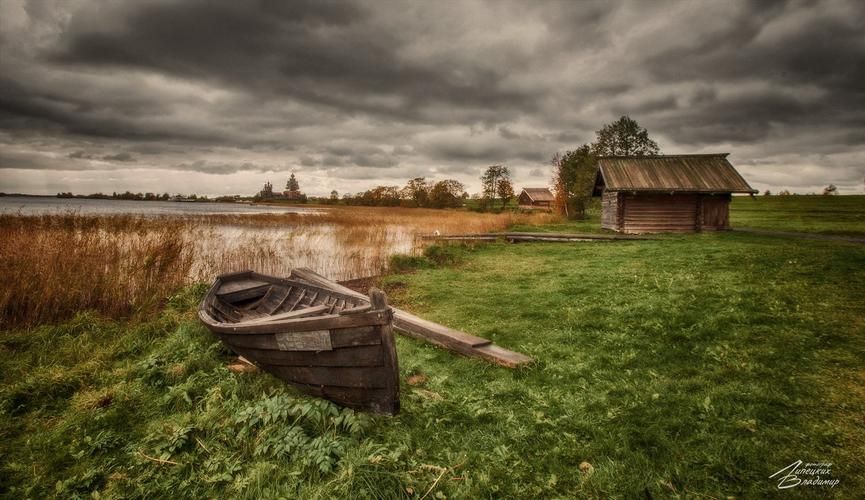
[{"x": 657, "y": 213}]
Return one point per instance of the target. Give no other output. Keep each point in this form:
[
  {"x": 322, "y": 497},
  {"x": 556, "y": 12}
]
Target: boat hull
[{"x": 322, "y": 342}]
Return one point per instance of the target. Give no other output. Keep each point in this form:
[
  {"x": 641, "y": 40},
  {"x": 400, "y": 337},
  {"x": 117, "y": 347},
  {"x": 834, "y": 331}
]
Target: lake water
[
  {"x": 339, "y": 242},
  {"x": 339, "y": 251},
  {"x": 27, "y": 205}
]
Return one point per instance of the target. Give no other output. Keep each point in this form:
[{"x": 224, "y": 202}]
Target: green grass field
[
  {"x": 842, "y": 215},
  {"x": 690, "y": 366}
]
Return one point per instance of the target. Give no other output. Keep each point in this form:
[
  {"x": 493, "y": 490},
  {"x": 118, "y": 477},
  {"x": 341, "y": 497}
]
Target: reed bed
[{"x": 55, "y": 265}]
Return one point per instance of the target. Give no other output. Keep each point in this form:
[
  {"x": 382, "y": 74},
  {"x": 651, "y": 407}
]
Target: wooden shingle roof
[
  {"x": 539, "y": 194},
  {"x": 703, "y": 173}
]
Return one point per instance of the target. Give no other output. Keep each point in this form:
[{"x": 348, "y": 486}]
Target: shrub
[
  {"x": 444, "y": 255},
  {"x": 402, "y": 263}
]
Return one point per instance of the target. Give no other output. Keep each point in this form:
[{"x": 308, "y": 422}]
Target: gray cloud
[
  {"x": 122, "y": 157},
  {"x": 376, "y": 92},
  {"x": 218, "y": 168},
  {"x": 81, "y": 155}
]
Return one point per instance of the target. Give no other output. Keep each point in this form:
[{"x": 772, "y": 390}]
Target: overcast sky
[{"x": 217, "y": 97}]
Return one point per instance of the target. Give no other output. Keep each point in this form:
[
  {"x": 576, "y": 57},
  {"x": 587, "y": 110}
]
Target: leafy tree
[
  {"x": 381, "y": 196},
  {"x": 830, "y": 190},
  {"x": 574, "y": 171},
  {"x": 624, "y": 137},
  {"x": 417, "y": 190},
  {"x": 490, "y": 181},
  {"x": 505, "y": 190},
  {"x": 573, "y": 179},
  {"x": 446, "y": 194},
  {"x": 292, "y": 184},
  {"x": 334, "y": 196},
  {"x": 767, "y": 193}
]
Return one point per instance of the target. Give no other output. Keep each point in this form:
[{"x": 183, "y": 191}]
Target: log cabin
[
  {"x": 667, "y": 193},
  {"x": 536, "y": 198}
]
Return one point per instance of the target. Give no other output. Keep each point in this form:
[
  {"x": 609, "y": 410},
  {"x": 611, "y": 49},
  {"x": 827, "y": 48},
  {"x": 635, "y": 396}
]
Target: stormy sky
[{"x": 217, "y": 97}]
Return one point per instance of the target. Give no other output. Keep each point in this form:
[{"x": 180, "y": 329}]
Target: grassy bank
[
  {"x": 842, "y": 215},
  {"x": 692, "y": 365}
]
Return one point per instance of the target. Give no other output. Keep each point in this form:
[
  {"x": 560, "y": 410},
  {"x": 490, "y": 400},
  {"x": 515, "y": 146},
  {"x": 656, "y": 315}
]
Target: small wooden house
[
  {"x": 667, "y": 193},
  {"x": 536, "y": 198}
]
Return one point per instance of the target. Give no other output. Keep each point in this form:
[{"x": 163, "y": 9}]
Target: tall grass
[
  {"x": 341, "y": 242},
  {"x": 53, "y": 266}
]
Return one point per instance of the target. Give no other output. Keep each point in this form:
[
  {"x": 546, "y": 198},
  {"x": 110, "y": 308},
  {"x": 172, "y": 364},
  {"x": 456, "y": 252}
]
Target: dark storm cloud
[
  {"x": 324, "y": 52},
  {"x": 377, "y": 91},
  {"x": 782, "y": 64}
]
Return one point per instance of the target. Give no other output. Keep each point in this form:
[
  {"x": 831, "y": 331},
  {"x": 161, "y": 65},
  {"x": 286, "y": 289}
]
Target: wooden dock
[
  {"x": 517, "y": 237},
  {"x": 434, "y": 333}
]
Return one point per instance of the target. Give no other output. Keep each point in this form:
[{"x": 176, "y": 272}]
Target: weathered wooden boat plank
[
  {"x": 357, "y": 356},
  {"x": 302, "y": 324},
  {"x": 356, "y": 310},
  {"x": 309, "y": 311},
  {"x": 378, "y": 301},
  {"x": 502, "y": 356},
  {"x": 428, "y": 331},
  {"x": 273, "y": 299},
  {"x": 333, "y": 376},
  {"x": 248, "y": 289},
  {"x": 296, "y": 302},
  {"x": 344, "y": 337}
]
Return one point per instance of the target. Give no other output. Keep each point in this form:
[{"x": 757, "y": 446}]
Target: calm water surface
[
  {"x": 27, "y": 205},
  {"x": 340, "y": 253}
]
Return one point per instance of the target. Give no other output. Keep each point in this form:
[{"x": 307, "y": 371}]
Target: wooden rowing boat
[{"x": 326, "y": 343}]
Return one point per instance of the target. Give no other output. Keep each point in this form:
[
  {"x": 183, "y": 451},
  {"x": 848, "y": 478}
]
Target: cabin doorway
[{"x": 715, "y": 212}]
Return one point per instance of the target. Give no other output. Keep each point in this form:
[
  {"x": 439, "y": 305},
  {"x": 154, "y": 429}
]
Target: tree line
[
  {"x": 418, "y": 192},
  {"x": 128, "y": 195}
]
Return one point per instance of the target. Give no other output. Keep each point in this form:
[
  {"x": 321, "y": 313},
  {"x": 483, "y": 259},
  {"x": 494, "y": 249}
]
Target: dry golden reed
[{"x": 55, "y": 265}]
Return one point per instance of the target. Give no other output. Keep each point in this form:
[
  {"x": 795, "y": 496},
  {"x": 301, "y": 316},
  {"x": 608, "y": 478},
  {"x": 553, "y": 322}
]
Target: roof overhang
[{"x": 681, "y": 190}]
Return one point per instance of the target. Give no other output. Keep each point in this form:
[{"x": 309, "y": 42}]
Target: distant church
[{"x": 292, "y": 191}]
